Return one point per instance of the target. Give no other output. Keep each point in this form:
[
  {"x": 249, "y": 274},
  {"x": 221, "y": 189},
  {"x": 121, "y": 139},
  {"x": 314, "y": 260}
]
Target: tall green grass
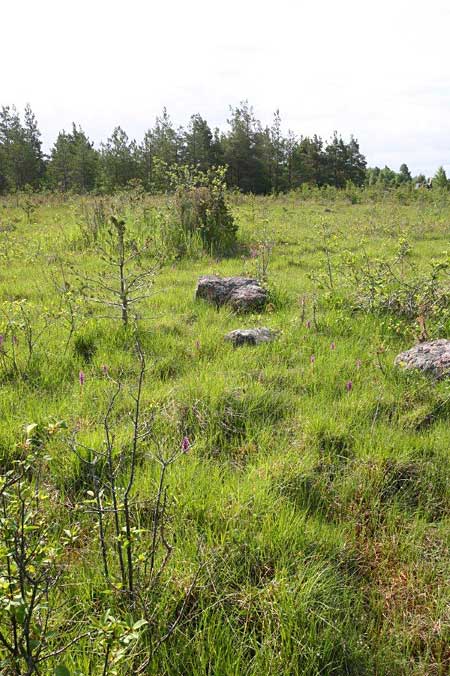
[{"x": 317, "y": 514}]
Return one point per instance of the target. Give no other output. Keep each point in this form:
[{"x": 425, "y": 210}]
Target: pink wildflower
[
  {"x": 332, "y": 346},
  {"x": 81, "y": 378},
  {"x": 348, "y": 385},
  {"x": 185, "y": 444}
]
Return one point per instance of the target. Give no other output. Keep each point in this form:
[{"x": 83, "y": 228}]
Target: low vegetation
[{"x": 170, "y": 504}]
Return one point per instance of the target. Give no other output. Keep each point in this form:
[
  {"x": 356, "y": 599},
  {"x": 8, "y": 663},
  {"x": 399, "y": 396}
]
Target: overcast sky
[{"x": 379, "y": 69}]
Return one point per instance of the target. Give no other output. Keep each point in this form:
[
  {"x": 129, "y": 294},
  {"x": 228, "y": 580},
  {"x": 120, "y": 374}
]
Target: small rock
[
  {"x": 250, "y": 336},
  {"x": 431, "y": 357},
  {"x": 241, "y": 293}
]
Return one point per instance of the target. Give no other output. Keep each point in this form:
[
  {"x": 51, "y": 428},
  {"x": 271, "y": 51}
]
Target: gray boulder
[
  {"x": 241, "y": 293},
  {"x": 432, "y": 357},
  {"x": 250, "y": 336}
]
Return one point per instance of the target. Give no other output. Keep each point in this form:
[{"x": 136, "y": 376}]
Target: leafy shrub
[
  {"x": 201, "y": 208},
  {"x": 397, "y": 286}
]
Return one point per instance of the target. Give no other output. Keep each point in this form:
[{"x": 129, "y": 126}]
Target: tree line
[{"x": 258, "y": 159}]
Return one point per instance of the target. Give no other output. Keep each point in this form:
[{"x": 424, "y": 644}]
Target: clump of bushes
[
  {"x": 201, "y": 209},
  {"x": 397, "y": 289}
]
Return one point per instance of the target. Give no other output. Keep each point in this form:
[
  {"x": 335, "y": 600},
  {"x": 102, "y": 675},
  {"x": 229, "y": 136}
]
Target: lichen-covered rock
[
  {"x": 432, "y": 357},
  {"x": 250, "y": 336},
  {"x": 241, "y": 293}
]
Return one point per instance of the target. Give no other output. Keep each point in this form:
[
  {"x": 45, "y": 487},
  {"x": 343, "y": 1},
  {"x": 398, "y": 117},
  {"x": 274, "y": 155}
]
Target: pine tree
[
  {"x": 404, "y": 175},
  {"x": 217, "y": 149},
  {"x": 276, "y": 155},
  {"x": 344, "y": 162},
  {"x": 119, "y": 159},
  {"x": 355, "y": 163},
  {"x": 291, "y": 145},
  {"x": 165, "y": 139},
  {"x": 309, "y": 162},
  {"x": 146, "y": 158},
  {"x": 35, "y": 166},
  {"x": 22, "y": 161},
  {"x": 60, "y": 164},
  {"x": 166, "y": 144},
  {"x": 197, "y": 144},
  {"x": 244, "y": 151},
  {"x": 73, "y": 162},
  {"x": 440, "y": 179}
]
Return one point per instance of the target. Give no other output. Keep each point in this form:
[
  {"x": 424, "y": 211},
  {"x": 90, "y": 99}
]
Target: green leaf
[{"x": 139, "y": 624}]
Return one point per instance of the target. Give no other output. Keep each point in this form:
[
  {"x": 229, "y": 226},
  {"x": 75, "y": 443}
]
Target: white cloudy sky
[{"x": 379, "y": 69}]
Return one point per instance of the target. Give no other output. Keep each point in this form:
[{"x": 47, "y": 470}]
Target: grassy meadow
[{"x": 310, "y": 515}]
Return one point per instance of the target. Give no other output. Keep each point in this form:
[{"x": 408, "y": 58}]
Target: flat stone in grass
[
  {"x": 250, "y": 336},
  {"x": 241, "y": 293},
  {"x": 432, "y": 357}
]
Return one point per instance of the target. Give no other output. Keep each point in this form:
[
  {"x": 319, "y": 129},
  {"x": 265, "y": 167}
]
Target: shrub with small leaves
[
  {"x": 200, "y": 207},
  {"x": 31, "y": 561}
]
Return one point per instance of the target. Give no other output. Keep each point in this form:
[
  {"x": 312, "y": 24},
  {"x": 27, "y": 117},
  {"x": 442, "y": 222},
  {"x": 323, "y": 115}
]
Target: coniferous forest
[{"x": 259, "y": 159}]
